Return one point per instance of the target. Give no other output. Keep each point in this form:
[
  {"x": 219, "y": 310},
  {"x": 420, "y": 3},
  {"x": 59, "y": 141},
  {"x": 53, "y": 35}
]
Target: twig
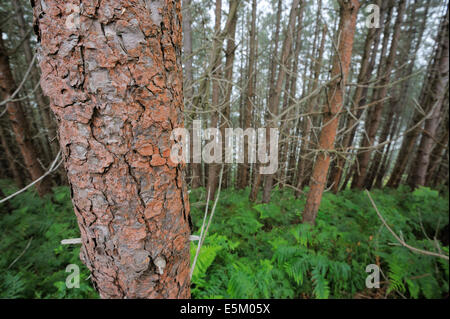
[
  {"x": 202, "y": 238},
  {"x": 21, "y": 254},
  {"x": 400, "y": 240},
  {"x": 52, "y": 168}
]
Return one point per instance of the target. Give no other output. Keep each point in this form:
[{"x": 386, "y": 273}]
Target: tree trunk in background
[
  {"x": 438, "y": 152},
  {"x": 244, "y": 168},
  {"x": 216, "y": 73},
  {"x": 228, "y": 75},
  {"x": 289, "y": 100},
  {"x": 274, "y": 100},
  {"x": 271, "y": 83},
  {"x": 19, "y": 124},
  {"x": 12, "y": 165},
  {"x": 407, "y": 57},
  {"x": 188, "y": 90},
  {"x": 307, "y": 124},
  {"x": 381, "y": 171},
  {"x": 373, "y": 121},
  {"x": 44, "y": 108},
  {"x": 437, "y": 94},
  {"x": 365, "y": 73},
  {"x": 341, "y": 65},
  {"x": 409, "y": 140},
  {"x": 115, "y": 85},
  {"x": 441, "y": 175}
]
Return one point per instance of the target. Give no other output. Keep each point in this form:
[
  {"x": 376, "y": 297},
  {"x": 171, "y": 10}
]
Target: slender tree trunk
[
  {"x": 437, "y": 96},
  {"x": 216, "y": 73},
  {"x": 12, "y": 165},
  {"x": 215, "y": 98},
  {"x": 115, "y": 86},
  {"x": 229, "y": 63},
  {"x": 19, "y": 123},
  {"x": 274, "y": 100},
  {"x": 250, "y": 98},
  {"x": 410, "y": 138},
  {"x": 195, "y": 168},
  {"x": 374, "y": 119},
  {"x": 341, "y": 65},
  {"x": 271, "y": 84},
  {"x": 290, "y": 99},
  {"x": 307, "y": 127},
  {"x": 365, "y": 73},
  {"x": 437, "y": 155},
  {"x": 44, "y": 109}
]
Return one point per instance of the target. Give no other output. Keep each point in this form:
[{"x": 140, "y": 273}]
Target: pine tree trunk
[
  {"x": 365, "y": 73},
  {"x": 437, "y": 96},
  {"x": 115, "y": 86},
  {"x": 12, "y": 165},
  {"x": 438, "y": 153},
  {"x": 341, "y": 65},
  {"x": 274, "y": 100},
  {"x": 374, "y": 119},
  {"x": 195, "y": 169},
  {"x": 42, "y": 104},
  {"x": 228, "y": 75},
  {"x": 244, "y": 168}
]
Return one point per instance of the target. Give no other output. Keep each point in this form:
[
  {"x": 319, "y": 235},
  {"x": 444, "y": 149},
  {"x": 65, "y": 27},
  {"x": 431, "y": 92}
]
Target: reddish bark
[
  {"x": 341, "y": 65},
  {"x": 365, "y": 73},
  {"x": 113, "y": 75}
]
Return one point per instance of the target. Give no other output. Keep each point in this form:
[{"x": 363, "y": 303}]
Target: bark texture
[{"x": 113, "y": 73}]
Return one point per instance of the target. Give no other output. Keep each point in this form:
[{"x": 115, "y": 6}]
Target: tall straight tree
[
  {"x": 374, "y": 118},
  {"x": 113, "y": 75},
  {"x": 409, "y": 141},
  {"x": 250, "y": 98},
  {"x": 41, "y": 102},
  {"x": 228, "y": 77},
  {"x": 365, "y": 73},
  {"x": 339, "y": 72},
  {"x": 195, "y": 168},
  {"x": 437, "y": 94},
  {"x": 274, "y": 100},
  {"x": 214, "y": 70},
  {"x": 305, "y": 160}
]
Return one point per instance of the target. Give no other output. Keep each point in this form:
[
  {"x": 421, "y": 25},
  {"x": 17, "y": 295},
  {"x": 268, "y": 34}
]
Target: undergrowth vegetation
[{"x": 251, "y": 250}]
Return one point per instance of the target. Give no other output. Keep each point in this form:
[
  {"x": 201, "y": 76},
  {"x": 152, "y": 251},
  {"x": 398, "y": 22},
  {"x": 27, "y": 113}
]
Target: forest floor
[{"x": 252, "y": 250}]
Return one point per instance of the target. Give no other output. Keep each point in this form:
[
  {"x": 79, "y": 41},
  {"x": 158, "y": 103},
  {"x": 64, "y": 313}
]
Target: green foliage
[
  {"x": 252, "y": 250},
  {"x": 31, "y": 235},
  {"x": 276, "y": 257}
]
